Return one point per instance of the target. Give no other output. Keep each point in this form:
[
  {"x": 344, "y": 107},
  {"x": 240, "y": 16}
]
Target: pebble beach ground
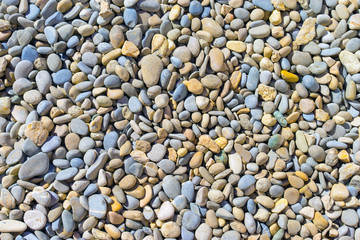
[{"x": 179, "y": 119}]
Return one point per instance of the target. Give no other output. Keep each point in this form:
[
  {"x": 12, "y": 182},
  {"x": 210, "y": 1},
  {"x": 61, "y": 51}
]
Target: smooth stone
[
  {"x": 12, "y": 226},
  {"x": 34, "y": 166},
  {"x": 110, "y": 140},
  {"x": 190, "y": 220},
  {"x": 188, "y": 190},
  {"x": 62, "y": 76},
  {"x": 252, "y": 79},
  {"x": 78, "y": 126},
  {"x": 166, "y": 211},
  {"x": 35, "y": 219},
  {"x": 51, "y": 143},
  {"x": 251, "y": 101},
  {"x": 171, "y": 186},
  {"x": 151, "y": 67},
  {"x": 149, "y": 5},
  {"x": 67, "y": 174},
  {"x": 264, "y": 4},
  {"x": 180, "y": 92},
  {"x": 97, "y": 206},
  {"x": 135, "y": 105},
  {"x": 310, "y": 83},
  {"x": 350, "y": 218},
  {"x": 246, "y": 181},
  {"x": 157, "y": 152},
  {"x": 29, "y": 53}
]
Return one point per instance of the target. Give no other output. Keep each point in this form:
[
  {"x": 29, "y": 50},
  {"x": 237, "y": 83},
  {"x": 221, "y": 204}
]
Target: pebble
[
  {"x": 191, "y": 220},
  {"x": 35, "y": 219},
  {"x": 97, "y": 206},
  {"x": 34, "y": 166}
]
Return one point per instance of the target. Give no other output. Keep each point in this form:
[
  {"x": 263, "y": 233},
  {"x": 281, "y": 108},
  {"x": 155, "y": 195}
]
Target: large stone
[
  {"x": 34, "y": 166},
  {"x": 339, "y": 192},
  {"x": 97, "y": 206},
  {"x": 37, "y": 132},
  {"x": 350, "y": 62},
  {"x": 211, "y": 26},
  {"x": 151, "y": 67},
  {"x": 11, "y": 226},
  {"x": 307, "y": 32}
]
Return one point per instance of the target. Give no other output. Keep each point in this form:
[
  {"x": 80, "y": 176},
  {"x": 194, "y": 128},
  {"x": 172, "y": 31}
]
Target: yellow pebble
[
  {"x": 182, "y": 152},
  {"x": 236, "y": 46},
  {"x": 319, "y": 221},
  {"x": 130, "y": 49},
  {"x": 321, "y": 115},
  {"x": 222, "y": 142},
  {"x": 116, "y": 206},
  {"x": 174, "y": 12},
  {"x": 274, "y": 228},
  {"x": 111, "y": 56},
  {"x": 221, "y": 222},
  {"x": 275, "y": 17},
  {"x": 280, "y": 206},
  {"x": 344, "y": 156},
  {"x": 289, "y": 77}
]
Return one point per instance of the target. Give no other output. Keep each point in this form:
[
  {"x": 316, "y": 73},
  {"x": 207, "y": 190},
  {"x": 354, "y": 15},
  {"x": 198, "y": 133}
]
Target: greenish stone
[
  {"x": 93, "y": 117},
  {"x": 221, "y": 157},
  {"x": 280, "y": 118},
  {"x": 275, "y": 141},
  {"x": 279, "y": 235},
  {"x": 16, "y": 99}
]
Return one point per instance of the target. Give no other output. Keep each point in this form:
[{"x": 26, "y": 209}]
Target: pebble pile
[{"x": 179, "y": 119}]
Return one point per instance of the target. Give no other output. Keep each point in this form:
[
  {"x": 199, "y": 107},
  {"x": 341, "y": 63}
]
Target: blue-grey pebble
[
  {"x": 190, "y": 104},
  {"x": 251, "y": 101},
  {"x": 51, "y": 143},
  {"x": 62, "y": 76},
  {"x": 195, "y": 8},
  {"x": 315, "y": 5},
  {"x": 276, "y": 191},
  {"x": 112, "y": 81},
  {"x": 246, "y": 181},
  {"x": 188, "y": 190},
  {"x": 149, "y": 5},
  {"x": 54, "y": 19},
  {"x": 176, "y": 62},
  {"x": 74, "y": 41},
  {"x": 135, "y": 105},
  {"x": 29, "y": 53},
  {"x": 78, "y": 126},
  {"x": 90, "y": 189},
  {"x": 310, "y": 83},
  {"x": 171, "y": 186},
  {"x": 264, "y": 4},
  {"x": 67, "y": 174},
  {"x": 185, "y": 21},
  {"x": 67, "y": 221},
  {"x": 191, "y": 220},
  {"x": 186, "y": 234},
  {"x": 77, "y": 162},
  {"x": 252, "y": 79},
  {"x": 180, "y": 92},
  {"x": 33, "y": 12},
  {"x": 97, "y": 206},
  {"x": 281, "y": 85},
  {"x": 130, "y": 17},
  {"x": 84, "y": 68},
  {"x": 110, "y": 140}
]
